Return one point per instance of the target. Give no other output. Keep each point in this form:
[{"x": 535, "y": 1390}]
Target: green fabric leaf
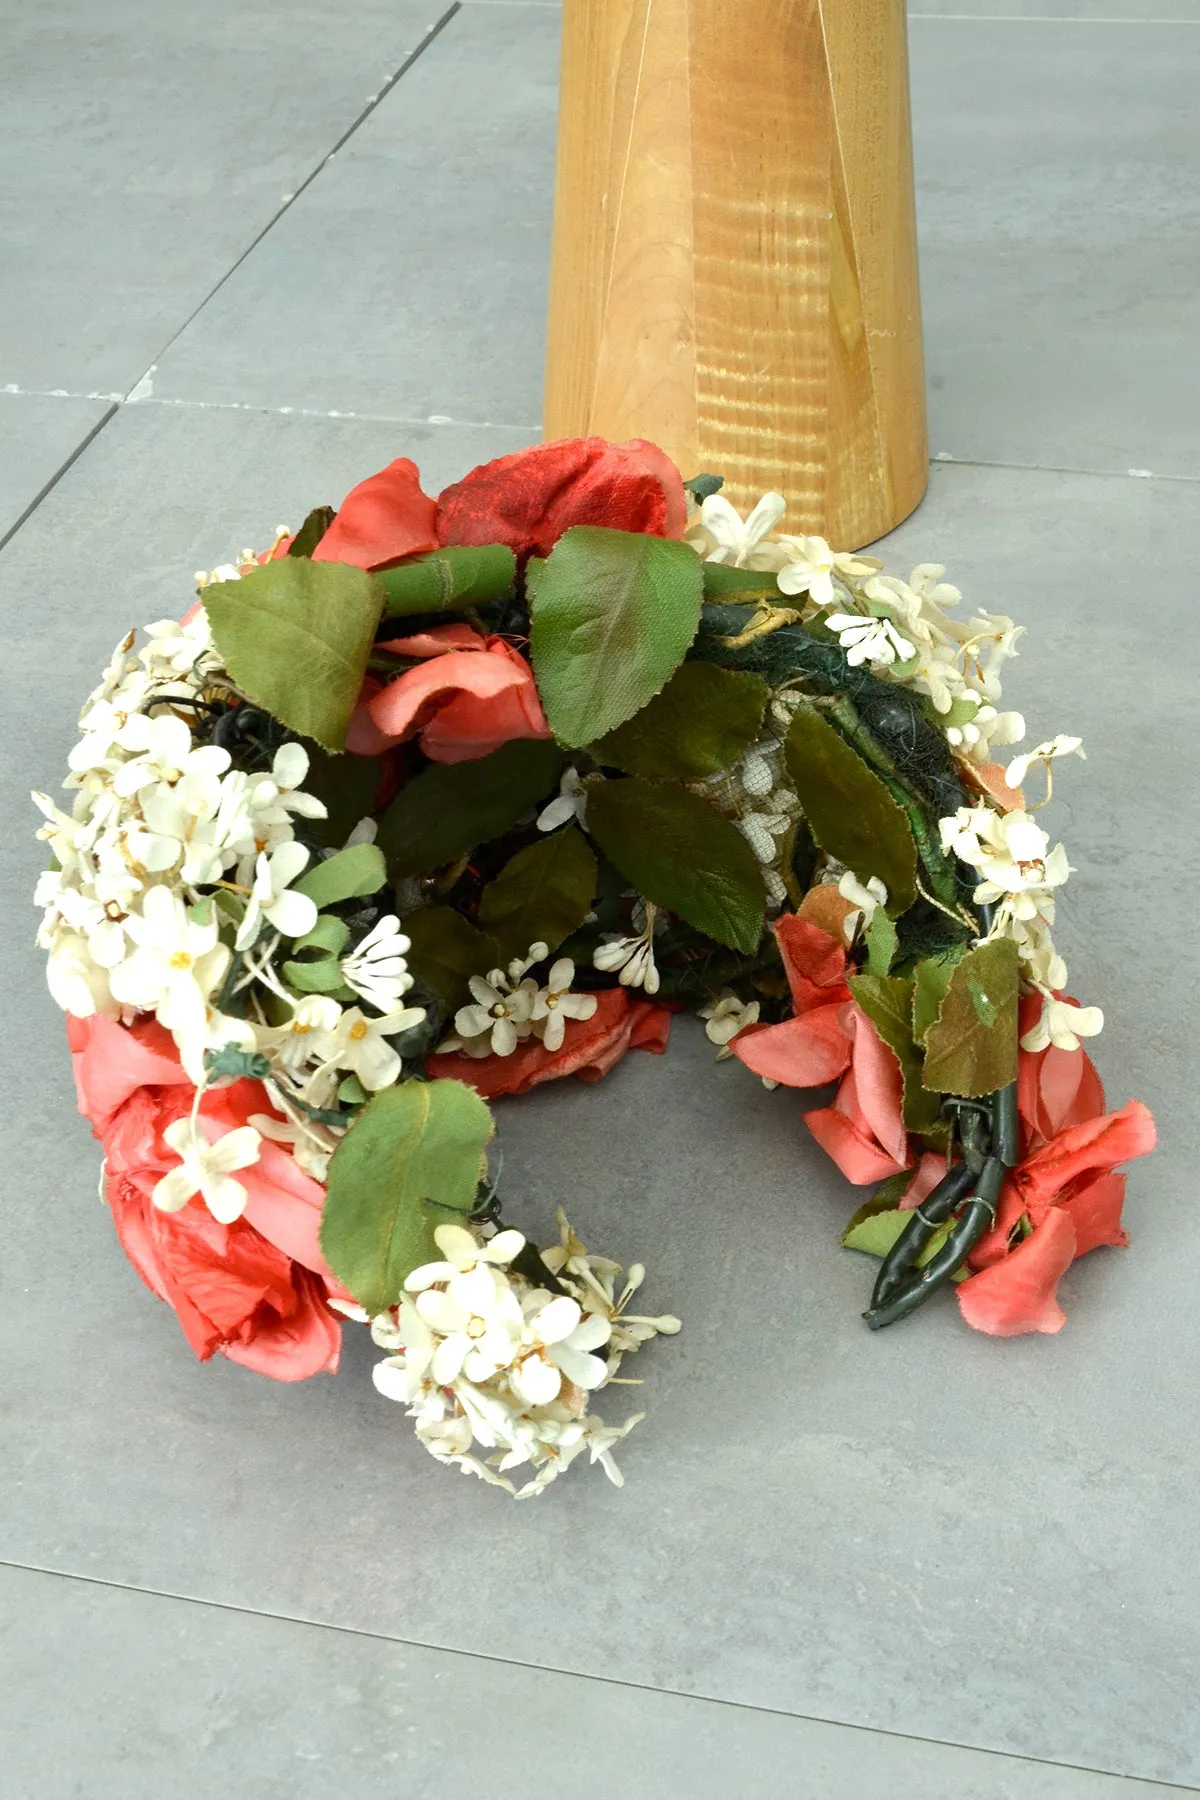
[
  {"x": 878, "y": 1234},
  {"x": 723, "y": 582},
  {"x": 321, "y": 976},
  {"x": 446, "y": 949},
  {"x": 705, "y": 719},
  {"x": 347, "y": 785},
  {"x": 612, "y": 617},
  {"x": 931, "y": 978},
  {"x": 448, "y": 580},
  {"x": 677, "y": 851},
  {"x": 701, "y": 486},
  {"x": 231, "y": 1059},
  {"x": 541, "y": 895},
  {"x": 881, "y": 943},
  {"x": 329, "y": 935},
  {"x": 351, "y": 1092},
  {"x": 887, "y": 1002},
  {"x": 412, "y": 1160},
  {"x": 451, "y": 807},
  {"x": 351, "y": 874},
  {"x": 886, "y": 1198},
  {"x": 312, "y": 531},
  {"x": 295, "y": 636},
  {"x": 849, "y": 810},
  {"x": 971, "y": 1048}
]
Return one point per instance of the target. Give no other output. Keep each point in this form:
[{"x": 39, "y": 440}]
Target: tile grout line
[
  {"x": 383, "y": 1637},
  {"x": 943, "y": 460},
  {"x": 7, "y": 536},
  {"x": 1044, "y": 19},
  {"x": 376, "y": 100}
]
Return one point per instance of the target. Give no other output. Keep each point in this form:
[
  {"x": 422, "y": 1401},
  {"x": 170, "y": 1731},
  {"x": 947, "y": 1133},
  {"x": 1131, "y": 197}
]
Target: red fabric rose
[
  {"x": 470, "y": 695},
  {"x": 382, "y": 519},
  {"x": 529, "y": 499},
  {"x": 591, "y": 1047},
  {"x": 254, "y": 1290}
]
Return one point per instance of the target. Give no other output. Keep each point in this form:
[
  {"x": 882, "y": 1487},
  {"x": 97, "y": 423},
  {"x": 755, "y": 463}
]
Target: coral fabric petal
[
  {"x": 991, "y": 780},
  {"x": 591, "y": 1047},
  {"x": 1096, "y": 1214},
  {"x": 363, "y": 737},
  {"x": 994, "y": 1246},
  {"x": 1019, "y": 1294},
  {"x": 880, "y": 1088},
  {"x": 1094, "y": 1147},
  {"x": 856, "y": 1154},
  {"x": 529, "y": 499},
  {"x": 112, "y": 1061},
  {"x": 307, "y": 1342},
  {"x": 464, "y": 705},
  {"x": 436, "y": 641},
  {"x": 814, "y": 962},
  {"x": 804, "y": 1052},
  {"x": 382, "y": 519},
  {"x": 282, "y": 1203}
]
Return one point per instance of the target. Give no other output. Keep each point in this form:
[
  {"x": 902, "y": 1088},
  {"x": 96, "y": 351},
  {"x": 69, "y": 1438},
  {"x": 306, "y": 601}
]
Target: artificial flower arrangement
[{"x": 437, "y": 800}]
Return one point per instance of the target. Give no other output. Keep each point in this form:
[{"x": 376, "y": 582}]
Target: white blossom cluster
[
  {"x": 172, "y": 893},
  {"x": 497, "y": 1371},
  {"x": 903, "y": 631},
  {"x": 508, "y": 1006}
]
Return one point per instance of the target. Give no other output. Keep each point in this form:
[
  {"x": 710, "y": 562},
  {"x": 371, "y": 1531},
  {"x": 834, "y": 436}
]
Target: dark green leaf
[
  {"x": 612, "y": 617},
  {"x": 412, "y": 1160},
  {"x": 887, "y": 1002},
  {"x": 704, "y": 719},
  {"x": 878, "y": 1233},
  {"x": 312, "y": 531},
  {"x": 542, "y": 895},
  {"x": 849, "y": 810},
  {"x": 446, "y": 949},
  {"x": 723, "y": 582},
  {"x": 971, "y": 1049},
  {"x": 678, "y": 852},
  {"x": 347, "y": 785},
  {"x": 295, "y": 636},
  {"x": 451, "y": 807},
  {"x": 448, "y": 580},
  {"x": 350, "y": 874}
]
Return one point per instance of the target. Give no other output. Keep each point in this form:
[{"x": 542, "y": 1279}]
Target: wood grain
[{"x": 734, "y": 271}]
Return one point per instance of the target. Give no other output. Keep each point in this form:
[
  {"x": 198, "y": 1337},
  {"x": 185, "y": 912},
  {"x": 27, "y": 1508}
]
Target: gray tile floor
[{"x": 916, "y": 1565}]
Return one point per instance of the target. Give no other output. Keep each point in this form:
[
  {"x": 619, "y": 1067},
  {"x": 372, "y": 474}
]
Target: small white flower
[
  {"x": 865, "y": 898},
  {"x": 376, "y": 968},
  {"x": 309, "y": 1035},
  {"x": 272, "y": 799},
  {"x": 735, "y": 539},
  {"x": 555, "y": 1004},
  {"x": 274, "y": 900},
  {"x": 76, "y": 981},
  {"x": 362, "y": 1044},
  {"x": 1060, "y": 745},
  {"x": 177, "y": 963},
  {"x": 207, "y": 1169},
  {"x": 162, "y": 751},
  {"x": 725, "y": 1017},
  {"x": 499, "y": 1014},
  {"x": 1012, "y": 854},
  {"x": 569, "y": 803},
  {"x": 556, "y": 1344},
  {"x": 810, "y": 569},
  {"x": 873, "y": 641},
  {"x": 1063, "y": 1025}
]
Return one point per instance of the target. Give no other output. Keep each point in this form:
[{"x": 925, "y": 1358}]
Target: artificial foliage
[{"x": 436, "y": 800}]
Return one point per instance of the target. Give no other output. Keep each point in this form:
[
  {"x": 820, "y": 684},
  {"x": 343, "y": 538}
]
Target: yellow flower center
[
  {"x": 300, "y": 1028},
  {"x": 181, "y": 960},
  {"x": 476, "y": 1327},
  {"x": 359, "y": 1030}
]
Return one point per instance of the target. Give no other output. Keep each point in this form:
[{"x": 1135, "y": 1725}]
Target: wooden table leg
[{"x": 734, "y": 271}]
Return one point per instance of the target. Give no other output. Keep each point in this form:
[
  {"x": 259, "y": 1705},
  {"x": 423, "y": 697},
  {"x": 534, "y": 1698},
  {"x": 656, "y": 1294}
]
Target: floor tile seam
[
  {"x": 942, "y": 461},
  {"x": 105, "y": 418},
  {"x": 743, "y": 1706},
  {"x": 142, "y": 388},
  {"x": 433, "y": 31}
]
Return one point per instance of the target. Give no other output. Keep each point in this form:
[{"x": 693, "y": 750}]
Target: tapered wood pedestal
[{"x": 734, "y": 270}]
